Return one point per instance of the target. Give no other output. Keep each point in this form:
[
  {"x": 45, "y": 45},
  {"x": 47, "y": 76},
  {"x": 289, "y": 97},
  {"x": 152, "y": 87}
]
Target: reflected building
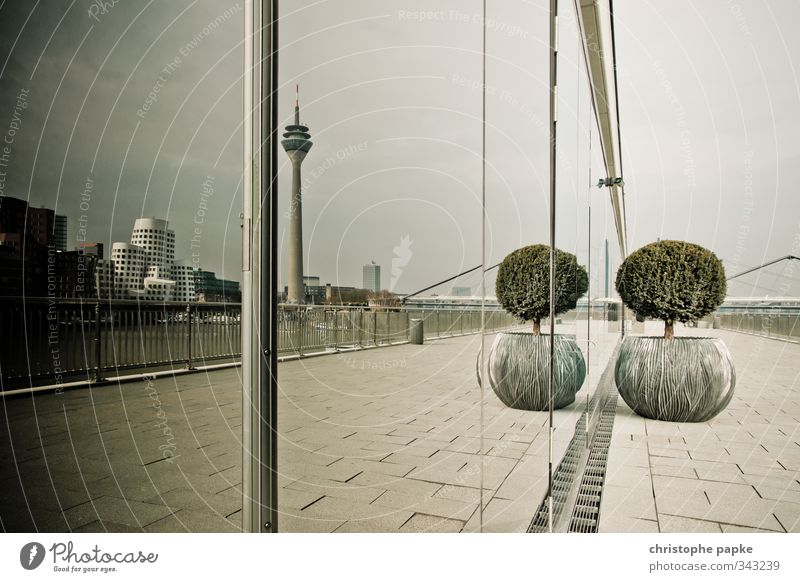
[{"x": 60, "y": 233}]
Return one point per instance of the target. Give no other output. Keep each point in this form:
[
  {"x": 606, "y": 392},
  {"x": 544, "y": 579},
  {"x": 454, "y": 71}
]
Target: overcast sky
[{"x": 709, "y": 106}]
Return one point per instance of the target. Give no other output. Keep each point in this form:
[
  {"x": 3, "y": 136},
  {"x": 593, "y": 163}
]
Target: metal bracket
[{"x": 608, "y": 182}]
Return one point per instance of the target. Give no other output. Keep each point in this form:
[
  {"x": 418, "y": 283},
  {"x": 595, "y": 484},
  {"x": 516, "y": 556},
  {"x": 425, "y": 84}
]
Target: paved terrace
[
  {"x": 388, "y": 440},
  {"x": 740, "y": 472}
]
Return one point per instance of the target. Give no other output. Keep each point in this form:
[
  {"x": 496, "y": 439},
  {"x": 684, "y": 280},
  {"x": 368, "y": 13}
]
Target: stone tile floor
[
  {"x": 389, "y": 440},
  {"x": 378, "y": 440},
  {"x": 739, "y": 472}
]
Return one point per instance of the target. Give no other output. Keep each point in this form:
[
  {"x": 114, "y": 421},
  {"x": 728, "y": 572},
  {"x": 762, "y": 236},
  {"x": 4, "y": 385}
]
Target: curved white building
[
  {"x": 146, "y": 268},
  {"x": 158, "y": 242},
  {"x": 129, "y": 262}
]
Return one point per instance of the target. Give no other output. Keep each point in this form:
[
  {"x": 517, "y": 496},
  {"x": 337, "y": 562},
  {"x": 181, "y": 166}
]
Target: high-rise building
[
  {"x": 25, "y": 235},
  {"x": 60, "y": 233},
  {"x": 83, "y": 274},
  {"x": 296, "y": 143},
  {"x": 372, "y": 277},
  {"x": 40, "y": 225}
]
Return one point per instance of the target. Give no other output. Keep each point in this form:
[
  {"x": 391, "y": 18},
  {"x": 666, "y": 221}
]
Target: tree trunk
[
  {"x": 669, "y": 330},
  {"x": 537, "y": 327}
]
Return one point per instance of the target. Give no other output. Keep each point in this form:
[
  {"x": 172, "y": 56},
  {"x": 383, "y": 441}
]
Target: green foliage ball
[
  {"x": 672, "y": 280},
  {"x": 523, "y": 282}
]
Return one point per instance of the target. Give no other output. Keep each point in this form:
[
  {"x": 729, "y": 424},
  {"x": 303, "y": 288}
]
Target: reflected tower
[{"x": 296, "y": 143}]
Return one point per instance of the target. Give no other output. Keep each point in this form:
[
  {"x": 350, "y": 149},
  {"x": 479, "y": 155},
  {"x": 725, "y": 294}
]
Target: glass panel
[
  {"x": 120, "y": 186},
  {"x": 379, "y": 433}
]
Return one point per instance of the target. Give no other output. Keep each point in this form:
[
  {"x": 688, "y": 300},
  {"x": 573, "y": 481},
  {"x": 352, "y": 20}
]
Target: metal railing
[
  {"x": 52, "y": 341},
  {"x": 55, "y": 341},
  {"x": 310, "y": 329},
  {"x": 777, "y": 324}
]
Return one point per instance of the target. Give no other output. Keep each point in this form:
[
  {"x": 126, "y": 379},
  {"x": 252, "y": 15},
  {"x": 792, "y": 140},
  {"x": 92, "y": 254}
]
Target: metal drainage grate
[
  {"x": 585, "y": 516},
  {"x": 582, "y": 500},
  {"x": 563, "y": 480}
]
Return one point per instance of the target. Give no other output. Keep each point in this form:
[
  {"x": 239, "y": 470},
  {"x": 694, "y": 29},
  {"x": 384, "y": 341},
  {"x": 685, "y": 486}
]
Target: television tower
[{"x": 296, "y": 142}]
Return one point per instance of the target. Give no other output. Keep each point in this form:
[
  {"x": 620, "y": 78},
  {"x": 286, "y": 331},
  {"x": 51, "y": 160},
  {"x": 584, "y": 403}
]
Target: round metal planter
[
  {"x": 519, "y": 368},
  {"x": 688, "y": 379}
]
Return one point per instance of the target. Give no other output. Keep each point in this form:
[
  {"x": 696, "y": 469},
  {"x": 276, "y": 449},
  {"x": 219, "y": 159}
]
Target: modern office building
[
  {"x": 25, "y": 236},
  {"x": 60, "y": 232},
  {"x": 210, "y": 288},
  {"x": 461, "y": 292},
  {"x": 79, "y": 274},
  {"x": 41, "y": 225},
  {"x": 372, "y": 277},
  {"x": 32, "y": 262},
  {"x": 296, "y": 143}
]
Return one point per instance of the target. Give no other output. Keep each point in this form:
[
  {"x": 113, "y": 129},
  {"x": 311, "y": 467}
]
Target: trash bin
[
  {"x": 613, "y": 317},
  {"x": 416, "y": 332}
]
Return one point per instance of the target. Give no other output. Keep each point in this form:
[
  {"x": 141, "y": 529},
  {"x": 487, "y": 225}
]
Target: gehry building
[{"x": 146, "y": 268}]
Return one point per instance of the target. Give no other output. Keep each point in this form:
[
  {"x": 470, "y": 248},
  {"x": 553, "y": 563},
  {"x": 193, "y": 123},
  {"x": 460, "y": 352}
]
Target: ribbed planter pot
[
  {"x": 688, "y": 379},
  {"x": 519, "y": 368}
]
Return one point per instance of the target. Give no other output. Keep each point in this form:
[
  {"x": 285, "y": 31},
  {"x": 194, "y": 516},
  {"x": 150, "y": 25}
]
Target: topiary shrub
[
  {"x": 673, "y": 281},
  {"x": 523, "y": 283}
]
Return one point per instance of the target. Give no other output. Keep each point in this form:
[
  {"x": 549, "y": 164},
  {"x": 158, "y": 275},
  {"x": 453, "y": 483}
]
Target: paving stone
[
  {"x": 186, "y": 520},
  {"x": 387, "y": 524},
  {"x": 315, "y": 487},
  {"x": 421, "y": 523},
  {"x": 126, "y": 512},
  {"x": 676, "y": 524},
  {"x": 628, "y": 501},
  {"x": 428, "y": 505},
  {"x": 343, "y": 510},
  {"x": 350, "y": 437},
  {"x": 464, "y": 494}
]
